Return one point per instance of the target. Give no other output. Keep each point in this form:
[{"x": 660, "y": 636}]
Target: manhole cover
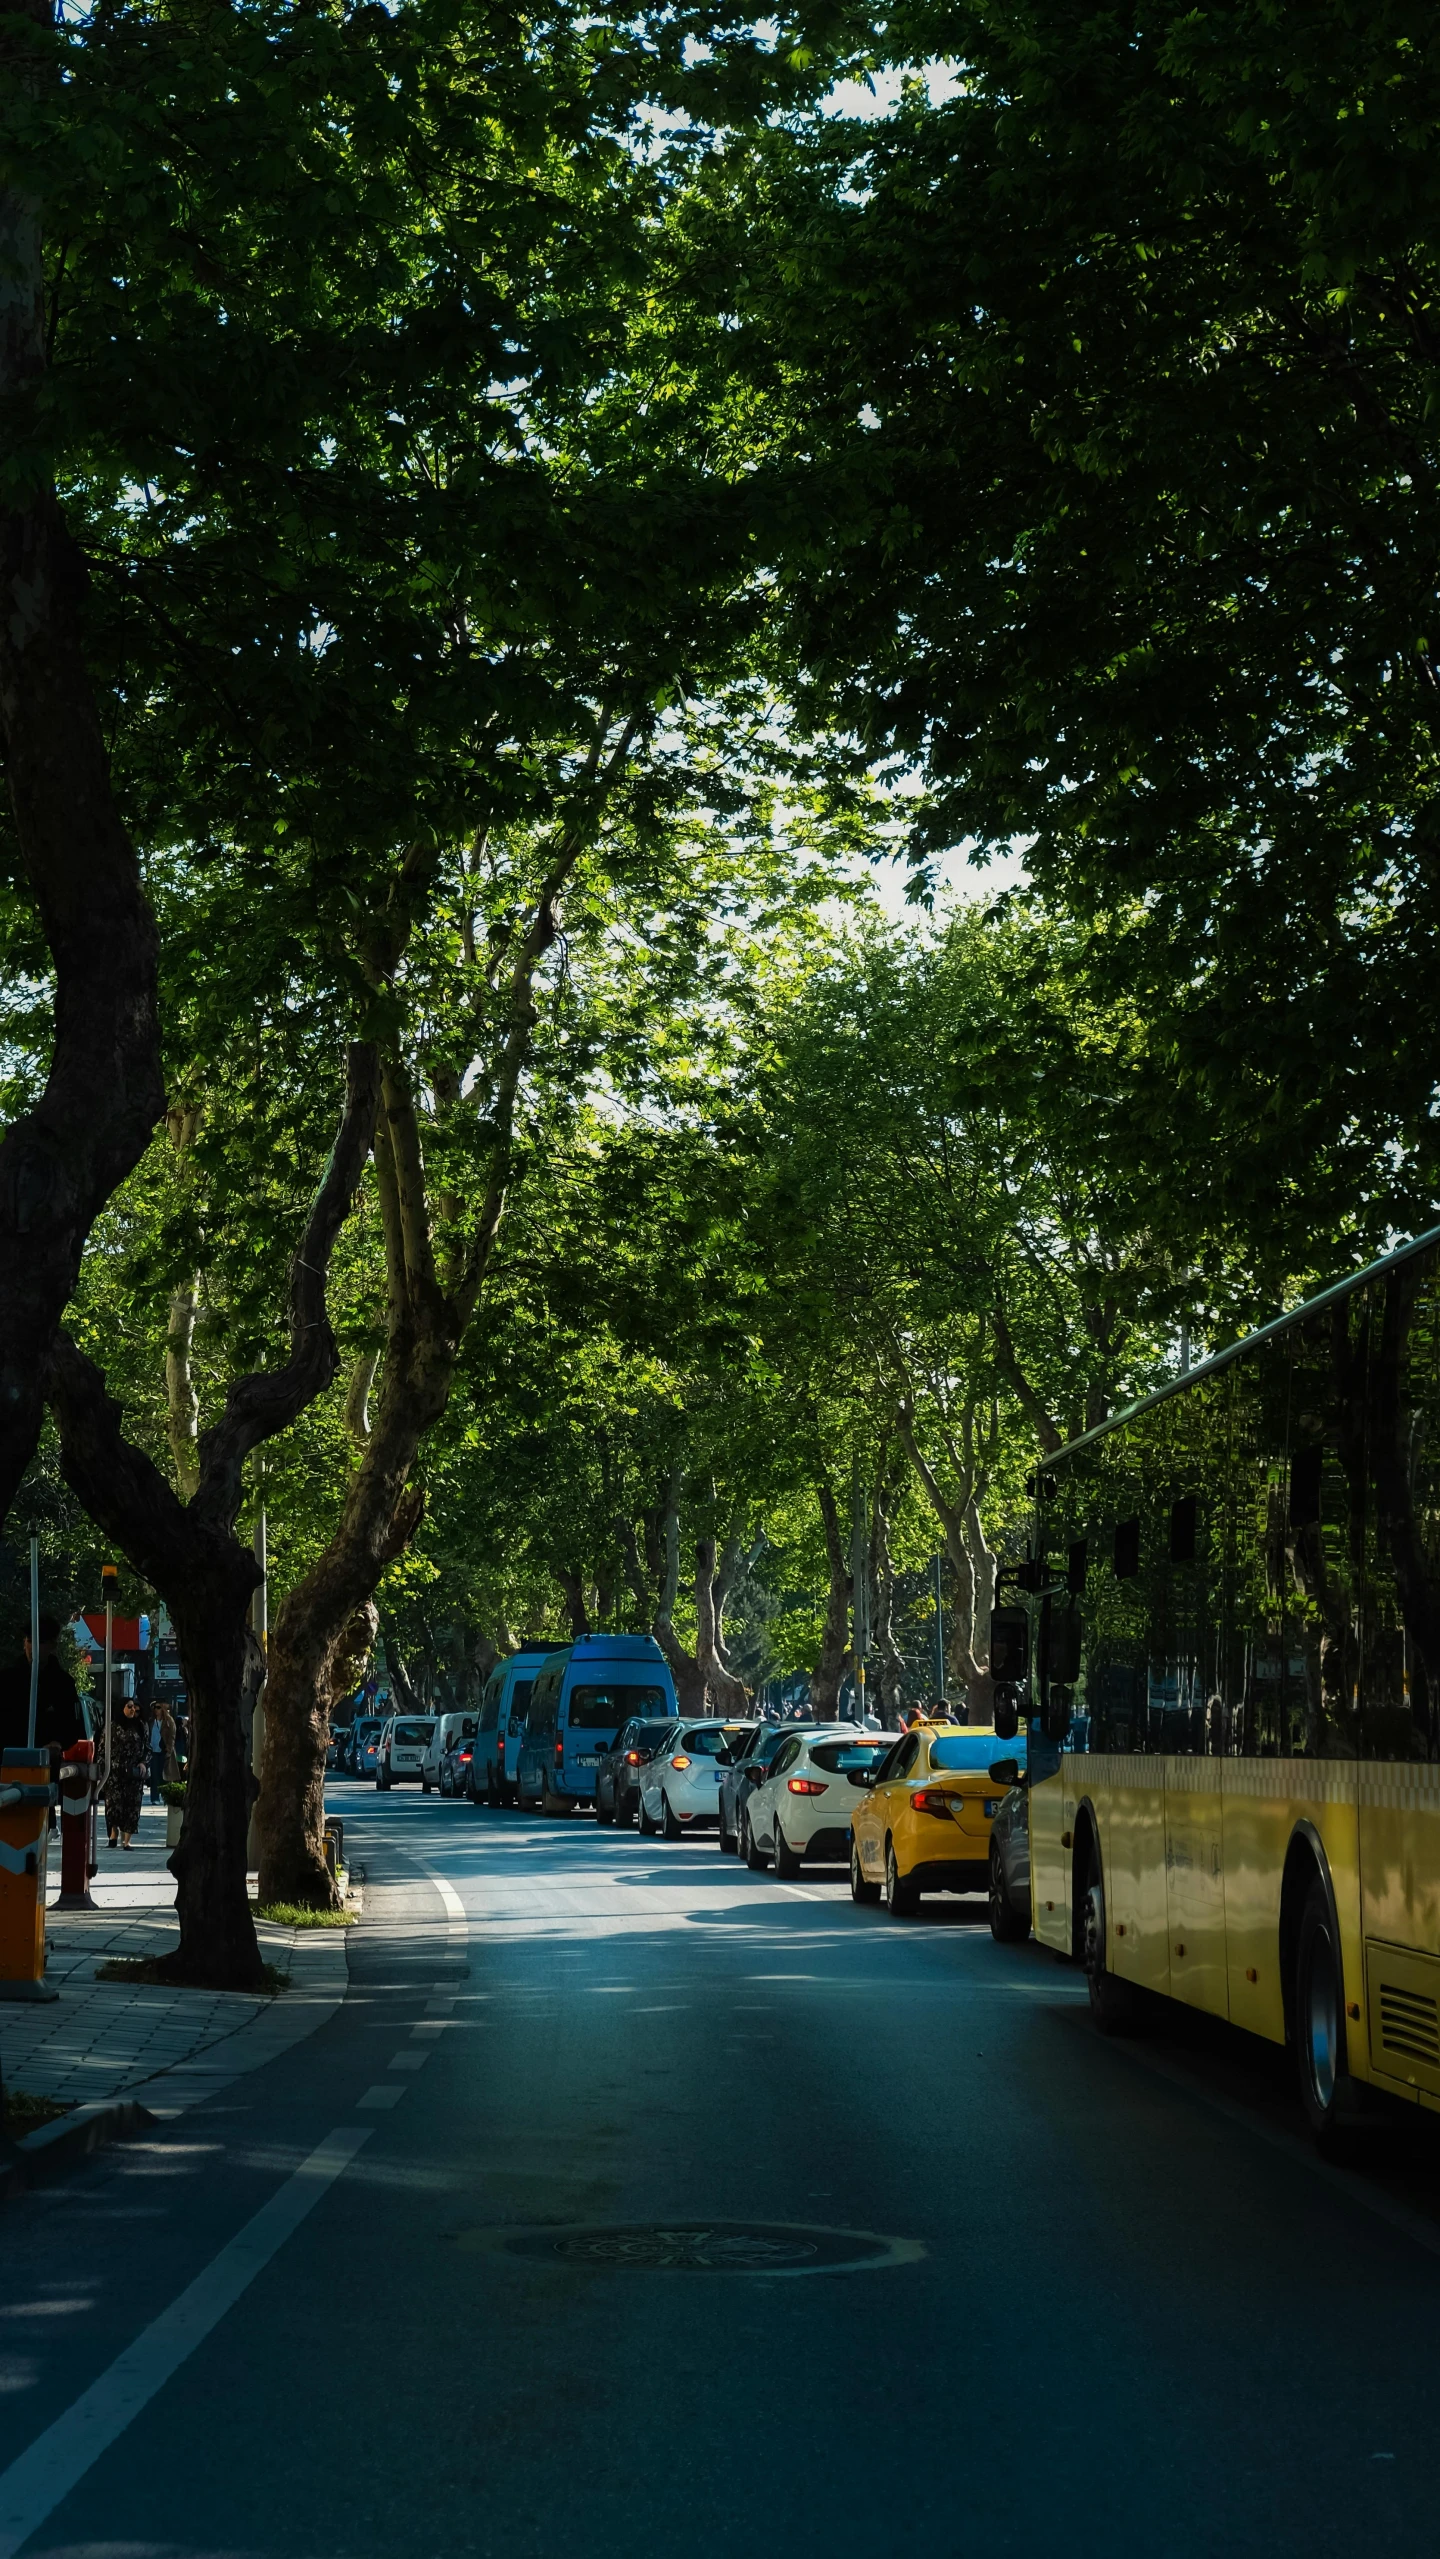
[{"x": 704, "y": 2247}]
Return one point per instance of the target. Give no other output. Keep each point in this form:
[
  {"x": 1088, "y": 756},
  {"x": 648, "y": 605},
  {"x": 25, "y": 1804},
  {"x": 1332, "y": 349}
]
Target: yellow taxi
[{"x": 923, "y": 1823}]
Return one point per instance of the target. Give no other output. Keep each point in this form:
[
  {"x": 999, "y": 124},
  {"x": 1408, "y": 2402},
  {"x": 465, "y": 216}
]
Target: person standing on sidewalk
[
  {"x": 58, "y": 1720},
  {"x": 157, "y": 1758},
  {"x": 129, "y": 1750}
]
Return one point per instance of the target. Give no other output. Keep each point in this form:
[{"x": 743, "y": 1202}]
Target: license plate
[
  {"x": 589, "y": 1760},
  {"x": 992, "y": 1807}
]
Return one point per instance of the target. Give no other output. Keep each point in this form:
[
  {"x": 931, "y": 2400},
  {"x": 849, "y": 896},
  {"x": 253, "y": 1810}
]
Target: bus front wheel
[
  {"x": 1114, "y": 2004},
  {"x": 1327, "y": 2091}
]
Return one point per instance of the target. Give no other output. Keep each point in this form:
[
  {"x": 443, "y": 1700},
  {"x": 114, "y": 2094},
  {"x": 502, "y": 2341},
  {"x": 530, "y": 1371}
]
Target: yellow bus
[{"x": 1234, "y": 1699}]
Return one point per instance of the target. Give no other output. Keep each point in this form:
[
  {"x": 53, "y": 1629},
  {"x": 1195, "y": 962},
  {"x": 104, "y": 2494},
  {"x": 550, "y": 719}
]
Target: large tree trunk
[
  {"x": 207, "y": 1578},
  {"x": 724, "y": 1693},
  {"x": 834, "y": 1657},
  {"x": 572, "y": 1584},
  {"x": 655, "y": 1581},
  {"x": 60, "y": 1162}
]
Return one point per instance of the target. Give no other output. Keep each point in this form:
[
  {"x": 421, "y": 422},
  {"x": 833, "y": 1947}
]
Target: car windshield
[
  {"x": 596, "y": 1708},
  {"x": 708, "y": 1741},
  {"x": 412, "y": 1733},
  {"x": 971, "y": 1750},
  {"x": 841, "y": 1757}
]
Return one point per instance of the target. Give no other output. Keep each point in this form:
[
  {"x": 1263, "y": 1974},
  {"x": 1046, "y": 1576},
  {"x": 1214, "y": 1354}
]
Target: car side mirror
[
  {"x": 755, "y": 1769},
  {"x": 1005, "y": 1772},
  {"x": 862, "y": 1776}
]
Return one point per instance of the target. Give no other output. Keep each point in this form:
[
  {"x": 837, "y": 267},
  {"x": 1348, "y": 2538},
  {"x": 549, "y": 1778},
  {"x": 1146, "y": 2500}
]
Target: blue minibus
[{"x": 580, "y": 1699}]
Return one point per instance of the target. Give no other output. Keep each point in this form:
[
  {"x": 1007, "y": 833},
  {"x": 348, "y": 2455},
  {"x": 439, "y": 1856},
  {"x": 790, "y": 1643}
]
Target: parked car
[
  {"x": 804, "y": 1803},
  {"x": 739, "y": 1781},
  {"x": 447, "y": 1729},
  {"x": 503, "y": 1711},
  {"x": 454, "y": 1776},
  {"x": 403, "y": 1745},
  {"x": 617, "y": 1772},
  {"x": 1010, "y": 1853},
  {"x": 679, "y": 1784},
  {"x": 365, "y": 1747},
  {"x": 923, "y": 1825},
  {"x": 580, "y": 1699}
]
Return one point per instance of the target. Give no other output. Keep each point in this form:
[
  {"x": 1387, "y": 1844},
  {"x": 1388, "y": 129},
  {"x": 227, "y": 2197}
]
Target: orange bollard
[
  {"x": 26, "y": 1796},
  {"x": 76, "y": 1791}
]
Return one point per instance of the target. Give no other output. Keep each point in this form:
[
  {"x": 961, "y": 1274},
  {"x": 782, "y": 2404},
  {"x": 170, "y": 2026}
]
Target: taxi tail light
[
  {"x": 931, "y": 1799},
  {"x": 805, "y": 1785},
  {"x": 681, "y": 1762}
]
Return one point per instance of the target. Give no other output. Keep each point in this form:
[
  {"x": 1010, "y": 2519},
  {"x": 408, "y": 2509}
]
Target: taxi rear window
[{"x": 972, "y": 1750}]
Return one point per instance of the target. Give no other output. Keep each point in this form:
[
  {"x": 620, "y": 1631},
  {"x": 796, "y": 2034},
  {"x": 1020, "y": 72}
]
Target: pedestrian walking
[
  {"x": 129, "y": 1749},
  {"x": 157, "y": 1758}
]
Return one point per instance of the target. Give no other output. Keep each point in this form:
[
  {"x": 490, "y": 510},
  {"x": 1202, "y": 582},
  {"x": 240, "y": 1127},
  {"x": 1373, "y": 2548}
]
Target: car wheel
[
  {"x": 1006, "y": 1925},
  {"x": 424, "y": 1785},
  {"x": 750, "y": 1848},
  {"x": 787, "y": 1863},
  {"x": 643, "y": 1823},
  {"x": 1115, "y": 2005},
  {"x": 1327, "y": 2091},
  {"x": 601, "y": 1815},
  {"x": 860, "y": 1887},
  {"x": 625, "y": 1810},
  {"x": 901, "y": 1898},
  {"x": 670, "y": 1822},
  {"x": 727, "y": 1837}
]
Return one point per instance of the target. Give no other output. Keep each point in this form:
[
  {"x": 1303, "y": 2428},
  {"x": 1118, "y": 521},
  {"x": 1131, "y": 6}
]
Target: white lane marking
[
  {"x": 454, "y": 1906},
  {"x": 43, "y": 2476},
  {"x": 380, "y": 2096},
  {"x": 799, "y": 1893},
  {"x": 410, "y": 2060}
]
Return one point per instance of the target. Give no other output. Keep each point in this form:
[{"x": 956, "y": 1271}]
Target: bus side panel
[
  {"x": 1130, "y": 1803},
  {"x": 1194, "y": 1883},
  {"x": 1049, "y": 1862},
  {"x": 1400, "y": 1880}
]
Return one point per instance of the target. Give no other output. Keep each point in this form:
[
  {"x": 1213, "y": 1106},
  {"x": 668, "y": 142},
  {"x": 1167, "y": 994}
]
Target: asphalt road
[{"x": 1062, "y": 2294}]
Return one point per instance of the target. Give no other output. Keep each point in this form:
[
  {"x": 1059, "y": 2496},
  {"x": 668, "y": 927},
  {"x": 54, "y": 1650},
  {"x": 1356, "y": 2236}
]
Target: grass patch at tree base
[
  {"x": 25, "y": 2112},
  {"x": 156, "y": 1969},
  {"x": 294, "y": 1914}
]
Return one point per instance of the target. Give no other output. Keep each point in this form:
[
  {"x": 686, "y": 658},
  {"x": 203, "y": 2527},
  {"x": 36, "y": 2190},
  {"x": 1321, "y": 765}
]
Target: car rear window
[
  {"x": 520, "y": 1704},
  {"x": 593, "y": 1708},
  {"x": 708, "y": 1741},
  {"x": 841, "y": 1757},
  {"x": 412, "y": 1733},
  {"x": 972, "y": 1750}
]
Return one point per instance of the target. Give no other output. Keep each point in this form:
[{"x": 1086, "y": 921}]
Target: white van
[
  {"x": 448, "y": 1729},
  {"x": 404, "y": 1741}
]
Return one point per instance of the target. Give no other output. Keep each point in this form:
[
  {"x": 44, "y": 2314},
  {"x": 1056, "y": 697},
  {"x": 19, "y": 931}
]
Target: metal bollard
[
  {"x": 76, "y": 1801},
  {"x": 26, "y": 1796}
]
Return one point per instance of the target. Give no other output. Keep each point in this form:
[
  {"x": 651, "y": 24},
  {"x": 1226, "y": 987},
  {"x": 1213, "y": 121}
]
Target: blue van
[
  {"x": 503, "y": 1710},
  {"x": 580, "y": 1699}
]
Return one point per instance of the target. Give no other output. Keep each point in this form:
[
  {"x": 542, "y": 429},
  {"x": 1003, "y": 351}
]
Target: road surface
[{"x": 986, "y": 2283}]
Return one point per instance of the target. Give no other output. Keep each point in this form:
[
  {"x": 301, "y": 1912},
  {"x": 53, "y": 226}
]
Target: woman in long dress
[{"x": 129, "y": 1757}]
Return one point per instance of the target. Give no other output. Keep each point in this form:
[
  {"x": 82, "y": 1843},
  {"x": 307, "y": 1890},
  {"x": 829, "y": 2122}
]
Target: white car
[
  {"x": 403, "y": 1745},
  {"x": 448, "y": 1729},
  {"x": 679, "y": 1789},
  {"x": 804, "y": 1806}
]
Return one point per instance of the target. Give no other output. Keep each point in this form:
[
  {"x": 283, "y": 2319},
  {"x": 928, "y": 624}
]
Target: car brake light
[
  {"x": 632, "y": 1759},
  {"x": 931, "y": 1799},
  {"x": 465, "y": 1754},
  {"x": 559, "y": 1746},
  {"x": 804, "y": 1785},
  {"x": 681, "y": 1762}
]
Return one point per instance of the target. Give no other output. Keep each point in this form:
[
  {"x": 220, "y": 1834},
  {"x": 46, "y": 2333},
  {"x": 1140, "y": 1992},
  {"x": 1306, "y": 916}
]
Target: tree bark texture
[
  {"x": 207, "y": 1578},
  {"x": 834, "y": 1658},
  {"x": 972, "y": 1566},
  {"x": 104, "y": 1092},
  {"x": 724, "y": 1693},
  {"x": 654, "y": 1578}
]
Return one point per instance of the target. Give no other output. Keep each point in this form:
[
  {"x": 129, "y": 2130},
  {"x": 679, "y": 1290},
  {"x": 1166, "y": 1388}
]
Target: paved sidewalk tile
[{"x": 167, "y": 2048}]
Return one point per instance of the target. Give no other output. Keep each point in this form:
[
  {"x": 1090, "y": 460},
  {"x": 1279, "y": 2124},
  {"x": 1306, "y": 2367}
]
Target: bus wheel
[
  {"x": 1114, "y": 2004},
  {"x": 1327, "y": 2091},
  {"x": 1006, "y": 1925}
]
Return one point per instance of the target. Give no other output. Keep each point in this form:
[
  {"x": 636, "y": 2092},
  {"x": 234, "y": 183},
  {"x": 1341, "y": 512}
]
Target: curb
[{"x": 54, "y": 2148}]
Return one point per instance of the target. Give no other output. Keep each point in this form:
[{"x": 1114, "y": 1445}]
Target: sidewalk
[{"x": 166, "y": 2049}]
